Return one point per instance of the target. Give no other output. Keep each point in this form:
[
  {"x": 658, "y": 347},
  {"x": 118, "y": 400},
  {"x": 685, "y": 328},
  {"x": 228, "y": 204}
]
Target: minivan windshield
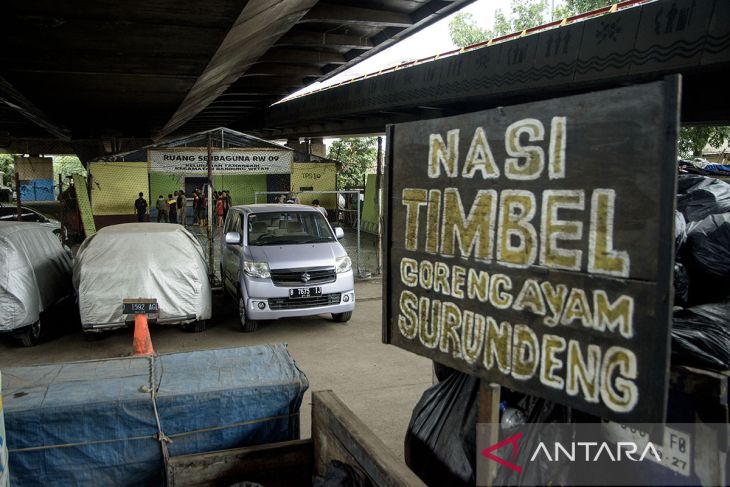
[{"x": 288, "y": 227}]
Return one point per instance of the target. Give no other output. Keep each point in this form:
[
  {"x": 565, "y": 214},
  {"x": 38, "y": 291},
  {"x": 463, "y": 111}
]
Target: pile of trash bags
[
  {"x": 440, "y": 444},
  {"x": 701, "y": 323}
]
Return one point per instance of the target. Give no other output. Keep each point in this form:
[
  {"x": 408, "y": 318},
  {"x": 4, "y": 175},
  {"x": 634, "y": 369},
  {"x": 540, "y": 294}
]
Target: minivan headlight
[
  {"x": 256, "y": 269},
  {"x": 343, "y": 264}
]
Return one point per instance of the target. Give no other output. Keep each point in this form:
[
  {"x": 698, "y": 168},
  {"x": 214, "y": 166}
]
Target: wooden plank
[
  {"x": 84, "y": 204},
  {"x": 340, "y": 435},
  {"x": 489, "y": 397},
  {"x": 282, "y": 464},
  {"x": 453, "y": 215}
]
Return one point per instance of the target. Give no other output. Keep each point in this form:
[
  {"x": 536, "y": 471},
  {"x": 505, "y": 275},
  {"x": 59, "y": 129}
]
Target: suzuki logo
[{"x": 306, "y": 277}]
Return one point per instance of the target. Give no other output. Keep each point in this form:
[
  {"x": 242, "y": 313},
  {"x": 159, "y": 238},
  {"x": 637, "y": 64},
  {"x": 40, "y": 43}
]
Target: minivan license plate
[{"x": 305, "y": 292}]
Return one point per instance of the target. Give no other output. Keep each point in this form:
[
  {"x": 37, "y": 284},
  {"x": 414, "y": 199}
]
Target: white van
[{"x": 284, "y": 260}]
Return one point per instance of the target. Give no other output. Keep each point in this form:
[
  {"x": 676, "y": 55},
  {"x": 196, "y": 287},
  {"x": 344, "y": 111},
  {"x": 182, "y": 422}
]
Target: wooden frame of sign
[{"x": 532, "y": 246}]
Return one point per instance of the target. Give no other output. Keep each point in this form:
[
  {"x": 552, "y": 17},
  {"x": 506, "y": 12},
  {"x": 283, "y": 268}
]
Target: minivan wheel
[
  {"x": 31, "y": 336},
  {"x": 246, "y": 324},
  {"x": 195, "y": 326},
  {"x": 342, "y": 317}
]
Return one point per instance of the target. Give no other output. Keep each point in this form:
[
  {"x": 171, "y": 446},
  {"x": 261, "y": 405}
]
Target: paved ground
[{"x": 380, "y": 383}]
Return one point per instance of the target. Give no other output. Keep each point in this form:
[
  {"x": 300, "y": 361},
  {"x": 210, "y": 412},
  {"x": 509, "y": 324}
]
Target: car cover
[
  {"x": 35, "y": 273},
  {"x": 142, "y": 260}
]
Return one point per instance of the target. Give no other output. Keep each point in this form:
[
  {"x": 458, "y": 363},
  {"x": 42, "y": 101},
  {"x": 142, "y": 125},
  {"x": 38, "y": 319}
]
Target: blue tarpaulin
[
  {"x": 94, "y": 423},
  {"x": 37, "y": 190}
]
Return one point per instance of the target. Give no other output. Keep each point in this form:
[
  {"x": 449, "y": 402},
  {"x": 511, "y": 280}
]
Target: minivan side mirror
[
  {"x": 339, "y": 233},
  {"x": 233, "y": 238}
]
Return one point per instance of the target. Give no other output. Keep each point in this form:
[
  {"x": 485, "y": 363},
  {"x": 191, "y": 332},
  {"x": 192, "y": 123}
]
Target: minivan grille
[
  {"x": 301, "y": 303},
  {"x": 293, "y": 277}
]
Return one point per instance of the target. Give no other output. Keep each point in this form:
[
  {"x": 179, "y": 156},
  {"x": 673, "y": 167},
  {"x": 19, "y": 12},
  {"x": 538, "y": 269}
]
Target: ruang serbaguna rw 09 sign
[
  {"x": 228, "y": 161},
  {"x": 532, "y": 245}
]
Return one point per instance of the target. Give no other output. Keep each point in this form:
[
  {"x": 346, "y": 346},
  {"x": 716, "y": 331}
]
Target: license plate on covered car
[{"x": 305, "y": 292}]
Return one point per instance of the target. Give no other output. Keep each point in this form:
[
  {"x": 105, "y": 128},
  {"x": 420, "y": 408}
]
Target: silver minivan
[{"x": 284, "y": 260}]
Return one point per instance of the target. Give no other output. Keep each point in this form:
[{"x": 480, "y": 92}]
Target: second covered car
[{"x": 142, "y": 260}]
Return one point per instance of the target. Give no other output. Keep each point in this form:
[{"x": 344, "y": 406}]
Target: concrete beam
[
  {"x": 302, "y": 56},
  {"x": 280, "y": 69},
  {"x": 324, "y": 39},
  {"x": 257, "y": 28},
  {"x": 15, "y": 100},
  {"x": 344, "y": 14}
]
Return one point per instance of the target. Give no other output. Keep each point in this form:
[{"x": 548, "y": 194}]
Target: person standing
[
  {"x": 196, "y": 207},
  {"x": 140, "y": 206},
  {"x": 219, "y": 210},
  {"x": 181, "y": 207},
  {"x": 315, "y": 203},
  {"x": 227, "y": 203},
  {"x": 161, "y": 206},
  {"x": 203, "y": 208},
  {"x": 172, "y": 208}
]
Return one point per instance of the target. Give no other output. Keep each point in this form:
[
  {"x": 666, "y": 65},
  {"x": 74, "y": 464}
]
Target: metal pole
[
  {"x": 209, "y": 209},
  {"x": 359, "y": 272},
  {"x": 378, "y": 182},
  {"x": 17, "y": 196},
  {"x": 61, "y": 212}
]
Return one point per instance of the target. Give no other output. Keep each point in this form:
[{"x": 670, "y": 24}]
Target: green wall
[
  {"x": 164, "y": 184},
  {"x": 242, "y": 188}
]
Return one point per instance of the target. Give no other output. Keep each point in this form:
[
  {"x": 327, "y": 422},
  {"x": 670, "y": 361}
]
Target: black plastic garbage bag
[
  {"x": 707, "y": 257},
  {"x": 701, "y": 336},
  {"x": 700, "y": 196},
  {"x": 440, "y": 444},
  {"x": 681, "y": 285},
  {"x": 340, "y": 474},
  {"x": 556, "y": 473},
  {"x": 680, "y": 231}
]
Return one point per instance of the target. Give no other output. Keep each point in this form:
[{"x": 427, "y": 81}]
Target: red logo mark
[{"x": 512, "y": 440}]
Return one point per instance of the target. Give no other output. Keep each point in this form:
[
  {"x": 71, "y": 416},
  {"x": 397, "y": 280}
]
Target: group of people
[
  {"x": 291, "y": 198},
  {"x": 173, "y": 208}
]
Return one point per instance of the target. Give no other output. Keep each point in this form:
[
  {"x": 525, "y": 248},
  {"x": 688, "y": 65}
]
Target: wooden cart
[{"x": 337, "y": 434}]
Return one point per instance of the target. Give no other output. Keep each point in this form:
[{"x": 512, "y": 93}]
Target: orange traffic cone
[{"x": 142, "y": 342}]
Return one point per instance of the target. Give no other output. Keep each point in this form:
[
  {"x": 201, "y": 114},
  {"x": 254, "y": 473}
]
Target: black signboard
[{"x": 532, "y": 245}]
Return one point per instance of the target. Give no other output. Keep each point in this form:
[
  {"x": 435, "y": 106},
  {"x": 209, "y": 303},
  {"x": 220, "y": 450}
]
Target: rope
[{"x": 161, "y": 436}]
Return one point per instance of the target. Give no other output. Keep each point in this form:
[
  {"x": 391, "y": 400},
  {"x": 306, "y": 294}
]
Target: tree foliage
[
  {"x": 522, "y": 14},
  {"x": 358, "y": 158},
  {"x": 464, "y": 30},
  {"x": 693, "y": 140},
  {"x": 575, "y": 7},
  {"x": 67, "y": 166},
  {"x": 7, "y": 168}
]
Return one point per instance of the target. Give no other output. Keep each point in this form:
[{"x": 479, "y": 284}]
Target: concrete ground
[{"x": 380, "y": 383}]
